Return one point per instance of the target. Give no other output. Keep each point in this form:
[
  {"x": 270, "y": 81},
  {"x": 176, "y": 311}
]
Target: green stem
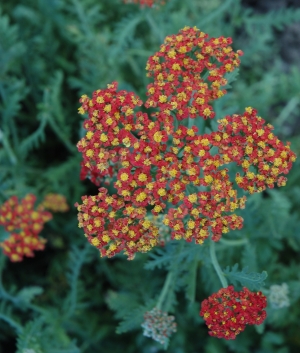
[
  {"x": 216, "y": 265},
  {"x": 231, "y": 242},
  {"x": 164, "y": 290}
]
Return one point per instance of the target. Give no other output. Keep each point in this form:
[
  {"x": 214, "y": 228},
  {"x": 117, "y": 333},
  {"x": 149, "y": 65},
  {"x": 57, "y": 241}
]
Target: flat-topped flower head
[
  {"x": 24, "y": 222},
  {"x": 227, "y": 312},
  {"x": 18, "y": 215},
  {"x": 158, "y": 325},
  {"x": 279, "y": 296},
  {"x": 55, "y": 203},
  {"x": 177, "y": 172},
  {"x": 20, "y": 245}
]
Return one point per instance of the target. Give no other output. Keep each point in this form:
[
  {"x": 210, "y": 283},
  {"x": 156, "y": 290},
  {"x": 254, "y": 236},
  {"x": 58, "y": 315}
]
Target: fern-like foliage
[
  {"x": 78, "y": 256},
  {"x": 36, "y": 138},
  {"x": 165, "y": 257},
  {"x": 276, "y": 18},
  {"x": 42, "y": 336},
  {"x": 11, "y": 48},
  {"x": 128, "y": 310},
  {"x": 124, "y": 33},
  {"x": 249, "y": 257},
  {"x": 6, "y": 314},
  {"x": 27, "y": 338},
  {"x": 251, "y": 280},
  {"x": 27, "y": 294}
]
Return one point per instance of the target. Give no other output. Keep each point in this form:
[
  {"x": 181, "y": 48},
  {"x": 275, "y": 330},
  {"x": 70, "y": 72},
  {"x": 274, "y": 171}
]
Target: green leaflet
[
  {"x": 251, "y": 280},
  {"x": 28, "y": 294},
  {"x": 128, "y": 310}
]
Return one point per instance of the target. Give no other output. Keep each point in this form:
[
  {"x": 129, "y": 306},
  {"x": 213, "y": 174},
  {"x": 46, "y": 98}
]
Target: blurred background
[{"x": 51, "y": 52}]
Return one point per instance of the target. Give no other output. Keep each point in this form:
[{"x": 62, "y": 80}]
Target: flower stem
[
  {"x": 216, "y": 265},
  {"x": 231, "y": 242},
  {"x": 164, "y": 290}
]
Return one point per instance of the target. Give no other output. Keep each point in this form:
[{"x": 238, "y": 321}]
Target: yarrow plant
[
  {"x": 24, "y": 222},
  {"x": 161, "y": 161}
]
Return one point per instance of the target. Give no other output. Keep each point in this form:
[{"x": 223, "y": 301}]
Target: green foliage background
[{"x": 66, "y": 299}]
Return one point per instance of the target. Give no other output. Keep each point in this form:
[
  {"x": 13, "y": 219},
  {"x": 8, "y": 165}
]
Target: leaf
[
  {"x": 25, "y": 340},
  {"x": 124, "y": 33},
  {"x": 128, "y": 310},
  {"x": 36, "y": 138},
  {"x": 164, "y": 257},
  {"x": 249, "y": 257},
  {"x": 78, "y": 256},
  {"x": 27, "y": 294},
  {"x": 277, "y": 18},
  {"x": 251, "y": 280},
  {"x": 6, "y": 315}
]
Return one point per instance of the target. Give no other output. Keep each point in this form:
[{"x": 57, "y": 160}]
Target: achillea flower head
[
  {"x": 55, "y": 203},
  {"x": 24, "y": 223},
  {"x": 279, "y": 296},
  {"x": 158, "y": 325},
  {"x": 18, "y": 245},
  {"x": 227, "y": 312},
  {"x": 157, "y": 162}
]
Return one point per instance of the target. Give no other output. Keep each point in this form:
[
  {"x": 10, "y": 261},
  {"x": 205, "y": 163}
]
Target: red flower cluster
[
  {"x": 247, "y": 141},
  {"x": 157, "y": 163},
  {"x": 55, "y": 203},
  {"x": 226, "y": 313},
  {"x": 24, "y": 224},
  {"x": 112, "y": 226},
  {"x": 176, "y": 69}
]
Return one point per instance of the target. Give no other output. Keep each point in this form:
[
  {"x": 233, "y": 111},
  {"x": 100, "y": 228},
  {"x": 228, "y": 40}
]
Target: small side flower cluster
[
  {"x": 279, "y": 296},
  {"x": 24, "y": 223},
  {"x": 55, "y": 203},
  {"x": 158, "y": 325},
  {"x": 227, "y": 312}
]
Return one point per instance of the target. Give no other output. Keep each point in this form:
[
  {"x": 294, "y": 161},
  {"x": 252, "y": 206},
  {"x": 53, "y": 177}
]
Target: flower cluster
[
  {"x": 159, "y": 163},
  {"x": 279, "y": 296},
  {"x": 112, "y": 227},
  {"x": 24, "y": 223},
  {"x": 227, "y": 312},
  {"x": 55, "y": 203},
  {"x": 176, "y": 69},
  {"x": 158, "y": 325},
  {"x": 247, "y": 141}
]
